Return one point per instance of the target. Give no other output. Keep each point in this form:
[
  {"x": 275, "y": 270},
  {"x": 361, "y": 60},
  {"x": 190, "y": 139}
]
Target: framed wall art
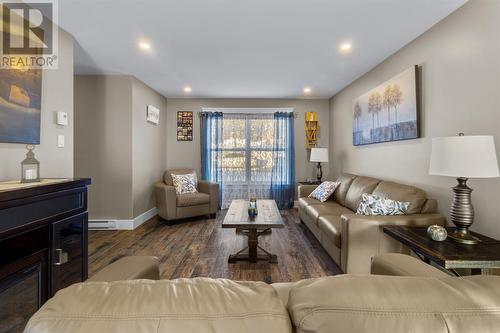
[
  {"x": 152, "y": 115},
  {"x": 20, "y": 105},
  {"x": 389, "y": 112},
  {"x": 184, "y": 125}
]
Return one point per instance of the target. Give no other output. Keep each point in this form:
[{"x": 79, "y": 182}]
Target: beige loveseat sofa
[
  {"x": 344, "y": 303},
  {"x": 352, "y": 240},
  {"x": 172, "y": 206}
]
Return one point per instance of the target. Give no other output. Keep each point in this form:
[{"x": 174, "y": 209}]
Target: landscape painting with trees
[{"x": 388, "y": 112}]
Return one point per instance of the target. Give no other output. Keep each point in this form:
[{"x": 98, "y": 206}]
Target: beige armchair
[{"x": 172, "y": 206}]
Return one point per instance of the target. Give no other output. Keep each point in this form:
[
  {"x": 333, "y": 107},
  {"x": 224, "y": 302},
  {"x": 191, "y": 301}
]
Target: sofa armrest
[
  {"x": 129, "y": 268},
  {"x": 362, "y": 237},
  {"x": 166, "y": 200},
  {"x": 213, "y": 190},
  {"x": 305, "y": 190},
  {"x": 397, "y": 264}
]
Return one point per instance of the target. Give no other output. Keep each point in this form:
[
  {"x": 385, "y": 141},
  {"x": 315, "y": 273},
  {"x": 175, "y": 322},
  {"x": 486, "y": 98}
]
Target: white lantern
[{"x": 30, "y": 167}]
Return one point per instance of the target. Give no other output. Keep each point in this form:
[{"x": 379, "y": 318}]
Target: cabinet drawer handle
[{"x": 61, "y": 257}]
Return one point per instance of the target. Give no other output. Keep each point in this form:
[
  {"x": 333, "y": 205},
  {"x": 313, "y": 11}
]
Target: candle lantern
[{"x": 30, "y": 167}]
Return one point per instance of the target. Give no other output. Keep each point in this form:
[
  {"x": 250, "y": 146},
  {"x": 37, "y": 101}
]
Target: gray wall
[
  {"x": 57, "y": 95},
  {"x": 149, "y": 146},
  {"x": 103, "y": 143},
  {"x": 115, "y": 145},
  {"x": 460, "y": 59},
  {"x": 187, "y": 154}
]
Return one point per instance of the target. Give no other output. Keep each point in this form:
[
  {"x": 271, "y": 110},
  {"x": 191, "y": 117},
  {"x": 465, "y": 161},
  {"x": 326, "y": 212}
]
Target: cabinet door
[{"x": 69, "y": 252}]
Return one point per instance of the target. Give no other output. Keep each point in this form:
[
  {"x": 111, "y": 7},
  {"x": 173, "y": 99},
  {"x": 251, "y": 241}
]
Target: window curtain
[
  {"x": 211, "y": 148},
  {"x": 247, "y": 156},
  {"x": 283, "y": 173}
]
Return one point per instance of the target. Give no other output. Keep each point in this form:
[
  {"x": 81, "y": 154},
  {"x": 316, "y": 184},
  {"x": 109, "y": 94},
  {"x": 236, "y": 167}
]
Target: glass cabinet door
[{"x": 69, "y": 252}]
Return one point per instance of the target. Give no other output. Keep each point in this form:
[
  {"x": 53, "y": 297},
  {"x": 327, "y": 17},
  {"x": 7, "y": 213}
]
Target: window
[
  {"x": 239, "y": 150},
  {"x": 247, "y": 148}
]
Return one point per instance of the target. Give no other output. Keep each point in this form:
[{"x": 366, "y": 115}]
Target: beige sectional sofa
[
  {"x": 344, "y": 303},
  {"x": 352, "y": 240}
]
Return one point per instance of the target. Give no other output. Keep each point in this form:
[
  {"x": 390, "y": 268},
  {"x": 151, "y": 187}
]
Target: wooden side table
[{"x": 448, "y": 254}]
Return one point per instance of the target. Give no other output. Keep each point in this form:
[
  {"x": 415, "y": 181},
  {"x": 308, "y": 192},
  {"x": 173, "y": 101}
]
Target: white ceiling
[{"x": 244, "y": 48}]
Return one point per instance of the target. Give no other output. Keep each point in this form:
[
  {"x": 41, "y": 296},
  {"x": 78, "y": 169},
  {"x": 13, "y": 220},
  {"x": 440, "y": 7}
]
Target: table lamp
[
  {"x": 463, "y": 157},
  {"x": 319, "y": 155}
]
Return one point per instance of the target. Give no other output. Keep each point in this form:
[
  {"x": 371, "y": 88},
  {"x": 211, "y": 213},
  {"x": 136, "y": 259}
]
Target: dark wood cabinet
[
  {"x": 69, "y": 257},
  {"x": 43, "y": 244}
]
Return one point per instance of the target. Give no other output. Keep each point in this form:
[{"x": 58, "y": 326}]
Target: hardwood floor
[{"x": 200, "y": 247}]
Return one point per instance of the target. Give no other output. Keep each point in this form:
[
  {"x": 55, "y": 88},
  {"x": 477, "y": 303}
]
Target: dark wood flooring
[{"x": 200, "y": 247}]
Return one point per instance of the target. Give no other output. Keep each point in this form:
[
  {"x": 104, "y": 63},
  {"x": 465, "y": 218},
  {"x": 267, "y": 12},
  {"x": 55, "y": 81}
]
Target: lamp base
[
  {"x": 319, "y": 172},
  {"x": 462, "y": 213},
  {"x": 464, "y": 237}
]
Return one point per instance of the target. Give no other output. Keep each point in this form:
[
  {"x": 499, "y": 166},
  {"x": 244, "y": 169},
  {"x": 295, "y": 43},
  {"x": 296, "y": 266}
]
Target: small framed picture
[
  {"x": 152, "y": 115},
  {"x": 184, "y": 126}
]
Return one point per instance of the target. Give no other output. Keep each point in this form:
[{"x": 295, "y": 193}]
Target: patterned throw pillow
[
  {"x": 184, "y": 183},
  {"x": 374, "y": 205},
  {"x": 324, "y": 191}
]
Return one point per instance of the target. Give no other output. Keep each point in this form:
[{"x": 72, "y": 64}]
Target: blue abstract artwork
[
  {"x": 388, "y": 112},
  {"x": 20, "y": 105}
]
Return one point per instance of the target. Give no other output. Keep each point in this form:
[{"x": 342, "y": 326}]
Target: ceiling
[{"x": 244, "y": 48}]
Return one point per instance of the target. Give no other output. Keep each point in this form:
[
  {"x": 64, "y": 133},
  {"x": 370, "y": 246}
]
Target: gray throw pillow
[
  {"x": 374, "y": 205},
  {"x": 184, "y": 183}
]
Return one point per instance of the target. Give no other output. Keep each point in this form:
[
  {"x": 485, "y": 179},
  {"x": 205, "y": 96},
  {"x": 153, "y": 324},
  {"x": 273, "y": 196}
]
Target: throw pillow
[
  {"x": 184, "y": 183},
  {"x": 374, "y": 205},
  {"x": 324, "y": 191}
]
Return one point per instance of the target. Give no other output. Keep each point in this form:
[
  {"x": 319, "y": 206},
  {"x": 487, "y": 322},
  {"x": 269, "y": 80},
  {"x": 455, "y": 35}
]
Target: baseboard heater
[{"x": 102, "y": 225}]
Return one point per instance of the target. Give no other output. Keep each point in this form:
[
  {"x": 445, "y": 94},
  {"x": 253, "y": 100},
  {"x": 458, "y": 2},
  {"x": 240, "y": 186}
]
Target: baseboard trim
[{"x": 123, "y": 224}]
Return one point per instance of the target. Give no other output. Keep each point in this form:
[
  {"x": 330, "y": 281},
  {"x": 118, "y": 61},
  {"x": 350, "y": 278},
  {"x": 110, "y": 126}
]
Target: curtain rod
[
  {"x": 295, "y": 115},
  {"x": 248, "y": 111}
]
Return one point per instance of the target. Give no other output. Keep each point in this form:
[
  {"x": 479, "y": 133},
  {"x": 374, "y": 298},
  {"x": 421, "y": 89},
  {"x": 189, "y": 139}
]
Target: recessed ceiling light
[
  {"x": 144, "y": 45},
  {"x": 345, "y": 47},
  {"x": 307, "y": 90},
  {"x": 187, "y": 89}
]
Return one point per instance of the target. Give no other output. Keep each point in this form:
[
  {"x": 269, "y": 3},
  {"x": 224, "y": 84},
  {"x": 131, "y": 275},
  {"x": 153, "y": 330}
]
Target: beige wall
[
  {"x": 103, "y": 143},
  {"x": 187, "y": 154},
  {"x": 57, "y": 95},
  {"x": 149, "y": 146},
  {"x": 460, "y": 59},
  {"x": 115, "y": 145}
]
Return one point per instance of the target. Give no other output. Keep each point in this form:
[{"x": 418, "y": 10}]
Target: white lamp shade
[
  {"x": 464, "y": 156},
  {"x": 319, "y": 155}
]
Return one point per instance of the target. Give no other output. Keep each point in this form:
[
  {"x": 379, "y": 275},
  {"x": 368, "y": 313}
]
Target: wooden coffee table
[{"x": 268, "y": 217}]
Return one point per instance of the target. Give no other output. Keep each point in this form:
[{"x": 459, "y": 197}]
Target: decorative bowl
[{"x": 437, "y": 232}]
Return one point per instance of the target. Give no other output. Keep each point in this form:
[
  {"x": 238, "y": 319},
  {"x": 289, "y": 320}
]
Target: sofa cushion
[
  {"x": 415, "y": 196},
  {"x": 185, "y": 183},
  {"x": 359, "y": 186},
  {"x": 368, "y": 304},
  {"x": 129, "y": 268},
  {"x": 167, "y": 175},
  {"x": 345, "y": 181},
  {"x": 192, "y": 199},
  {"x": 331, "y": 227},
  {"x": 398, "y": 264},
  {"x": 327, "y": 208},
  {"x": 374, "y": 205},
  {"x": 324, "y": 191},
  {"x": 430, "y": 206},
  {"x": 183, "y": 305},
  {"x": 303, "y": 202}
]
